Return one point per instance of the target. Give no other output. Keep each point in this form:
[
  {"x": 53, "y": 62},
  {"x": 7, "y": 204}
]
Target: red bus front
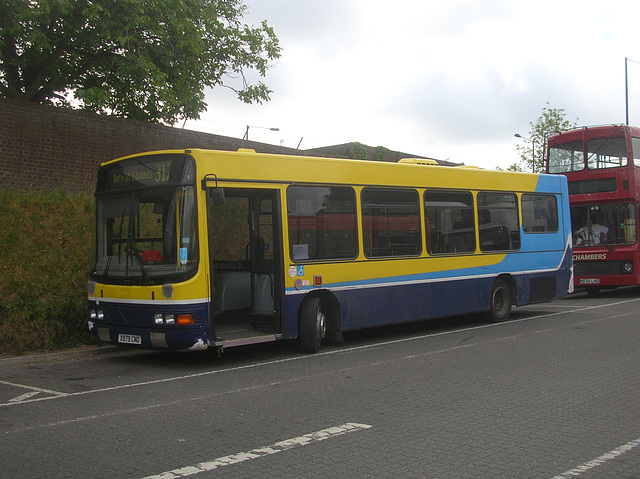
[{"x": 602, "y": 168}]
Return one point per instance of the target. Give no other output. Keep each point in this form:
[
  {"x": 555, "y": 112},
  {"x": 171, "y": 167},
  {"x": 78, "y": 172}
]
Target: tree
[
  {"x": 532, "y": 151},
  {"x": 140, "y": 59}
]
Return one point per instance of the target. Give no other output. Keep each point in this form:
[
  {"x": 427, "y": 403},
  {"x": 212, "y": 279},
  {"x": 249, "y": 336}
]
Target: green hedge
[{"x": 46, "y": 252}]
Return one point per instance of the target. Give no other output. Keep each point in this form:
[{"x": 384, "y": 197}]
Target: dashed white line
[
  {"x": 598, "y": 461},
  {"x": 280, "y": 446}
]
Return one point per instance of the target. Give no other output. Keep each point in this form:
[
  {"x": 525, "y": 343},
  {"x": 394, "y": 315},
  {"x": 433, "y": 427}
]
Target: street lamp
[
  {"x": 533, "y": 150},
  {"x": 246, "y": 133},
  {"x": 626, "y": 87}
]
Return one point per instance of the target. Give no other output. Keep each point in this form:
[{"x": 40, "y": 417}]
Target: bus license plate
[
  {"x": 590, "y": 281},
  {"x": 129, "y": 339}
]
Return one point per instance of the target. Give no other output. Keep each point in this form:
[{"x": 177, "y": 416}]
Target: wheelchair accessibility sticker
[{"x": 296, "y": 271}]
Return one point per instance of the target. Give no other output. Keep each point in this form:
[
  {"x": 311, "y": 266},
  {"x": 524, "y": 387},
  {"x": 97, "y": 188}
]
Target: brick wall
[{"x": 47, "y": 147}]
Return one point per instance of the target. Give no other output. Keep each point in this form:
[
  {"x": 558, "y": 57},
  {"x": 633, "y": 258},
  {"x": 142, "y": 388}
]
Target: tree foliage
[
  {"x": 532, "y": 149},
  {"x": 140, "y": 59}
]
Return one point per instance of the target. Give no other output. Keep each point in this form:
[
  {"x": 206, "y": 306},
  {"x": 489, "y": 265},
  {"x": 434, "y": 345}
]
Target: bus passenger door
[
  {"x": 245, "y": 250},
  {"x": 262, "y": 256}
]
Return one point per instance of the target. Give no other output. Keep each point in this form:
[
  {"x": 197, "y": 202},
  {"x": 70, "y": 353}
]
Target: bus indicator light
[
  {"x": 317, "y": 280},
  {"x": 185, "y": 319}
]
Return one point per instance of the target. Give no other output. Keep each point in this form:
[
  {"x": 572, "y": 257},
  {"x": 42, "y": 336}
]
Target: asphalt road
[{"x": 553, "y": 393}]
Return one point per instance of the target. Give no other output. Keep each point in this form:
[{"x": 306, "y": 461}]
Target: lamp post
[
  {"x": 626, "y": 86},
  {"x": 533, "y": 150},
  {"x": 246, "y": 133}
]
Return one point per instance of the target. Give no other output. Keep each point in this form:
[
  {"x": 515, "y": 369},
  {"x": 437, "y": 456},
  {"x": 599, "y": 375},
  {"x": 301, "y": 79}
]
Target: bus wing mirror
[{"x": 217, "y": 195}]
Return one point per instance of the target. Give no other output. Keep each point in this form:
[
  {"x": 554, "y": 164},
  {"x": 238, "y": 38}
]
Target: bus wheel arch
[
  {"x": 501, "y": 298},
  {"x": 318, "y": 318}
]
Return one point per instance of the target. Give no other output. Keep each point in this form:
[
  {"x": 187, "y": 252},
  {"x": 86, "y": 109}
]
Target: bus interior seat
[
  {"x": 232, "y": 291},
  {"x": 495, "y": 239}
]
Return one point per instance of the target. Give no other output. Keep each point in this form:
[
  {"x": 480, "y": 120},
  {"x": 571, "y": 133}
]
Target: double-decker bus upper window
[
  {"x": 322, "y": 222},
  {"x": 635, "y": 145},
  {"x": 390, "y": 222},
  {"x": 146, "y": 222},
  {"x": 606, "y": 153},
  {"x": 449, "y": 222},
  {"x": 566, "y": 157},
  {"x": 498, "y": 221}
]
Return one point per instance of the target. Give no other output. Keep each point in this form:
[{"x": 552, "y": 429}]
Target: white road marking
[
  {"x": 280, "y": 446},
  {"x": 598, "y": 461},
  {"x": 24, "y": 396},
  {"x": 34, "y": 389}
]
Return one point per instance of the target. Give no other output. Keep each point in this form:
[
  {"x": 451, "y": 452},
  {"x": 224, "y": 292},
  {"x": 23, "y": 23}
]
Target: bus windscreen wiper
[
  {"x": 117, "y": 239},
  {"x": 132, "y": 250}
]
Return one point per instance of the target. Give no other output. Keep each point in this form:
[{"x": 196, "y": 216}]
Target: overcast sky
[{"x": 448, "y": 79}]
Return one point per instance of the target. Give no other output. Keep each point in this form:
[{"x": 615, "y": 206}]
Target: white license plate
[
  {"x": 590, "y": 281},
  {"x": 129, "y": 339}
]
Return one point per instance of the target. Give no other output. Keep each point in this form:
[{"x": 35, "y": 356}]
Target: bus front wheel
[
  {"x": 313, "y": 325},
  {"x": 500, "y": 301}
]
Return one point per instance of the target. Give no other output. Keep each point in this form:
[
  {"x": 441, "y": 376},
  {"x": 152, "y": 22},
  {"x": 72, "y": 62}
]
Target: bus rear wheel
[
  {"x": 313, "y": 325},
  {"x": 499, "y": 301}
]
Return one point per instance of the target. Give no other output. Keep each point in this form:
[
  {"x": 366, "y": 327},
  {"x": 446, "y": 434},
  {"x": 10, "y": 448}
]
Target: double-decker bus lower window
[
  {"x": 449, "y": 222},
  {"x": 498, "y": 221},
  {"x": 391, "y": 222},
  {"x": 604, "y": 224},
  {"x": 606, "y": 153},
  {"x": 539, "y": 213},
  {"x": 322, "y": 222},
  {"x": 566, "y": 157}
]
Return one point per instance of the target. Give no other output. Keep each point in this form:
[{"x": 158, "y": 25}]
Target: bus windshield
[
  {"x": 602, "y": 153},
  {"x": 604, "y": 224},
  {"x": 146, "y": 223},
  {"x": 566, "y": 157},
  {"x": 606, "y": 153}
]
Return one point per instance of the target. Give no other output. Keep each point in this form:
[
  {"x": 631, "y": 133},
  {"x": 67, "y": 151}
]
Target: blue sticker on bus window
[
  {"x": 183, "y": 255},
  {"x": 300, "y": 270}
]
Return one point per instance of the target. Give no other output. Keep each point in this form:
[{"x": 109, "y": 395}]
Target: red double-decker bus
[{"x": 602, "y": 166}]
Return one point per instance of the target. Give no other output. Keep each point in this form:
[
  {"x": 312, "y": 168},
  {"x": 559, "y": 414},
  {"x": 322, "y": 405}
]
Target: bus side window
[
  {"x": 539, "y": 213},
  {"x": 450, "y": 222},
  {"x": 502, "y": 231}
]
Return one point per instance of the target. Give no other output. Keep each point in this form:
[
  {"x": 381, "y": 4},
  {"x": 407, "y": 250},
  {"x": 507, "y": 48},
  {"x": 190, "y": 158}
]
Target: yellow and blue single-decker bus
[{"x": 198, "y": 248}]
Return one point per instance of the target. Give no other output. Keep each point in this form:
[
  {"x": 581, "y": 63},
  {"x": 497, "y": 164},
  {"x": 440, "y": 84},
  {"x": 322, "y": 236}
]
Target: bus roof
[
  {"x": 593, "y": 132},
  {"x": 246, "y": 165}
]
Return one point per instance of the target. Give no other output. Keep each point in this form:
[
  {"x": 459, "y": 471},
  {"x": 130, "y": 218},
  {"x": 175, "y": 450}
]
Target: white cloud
[{"x": 452, "y": 80}]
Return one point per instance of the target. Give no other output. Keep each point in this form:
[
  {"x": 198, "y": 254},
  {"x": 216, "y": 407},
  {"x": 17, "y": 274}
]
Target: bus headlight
[
  {"x": 173, "y": 319},
  {"x": 96, "y": 314},
  {"x": 627, "y": 267}
]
